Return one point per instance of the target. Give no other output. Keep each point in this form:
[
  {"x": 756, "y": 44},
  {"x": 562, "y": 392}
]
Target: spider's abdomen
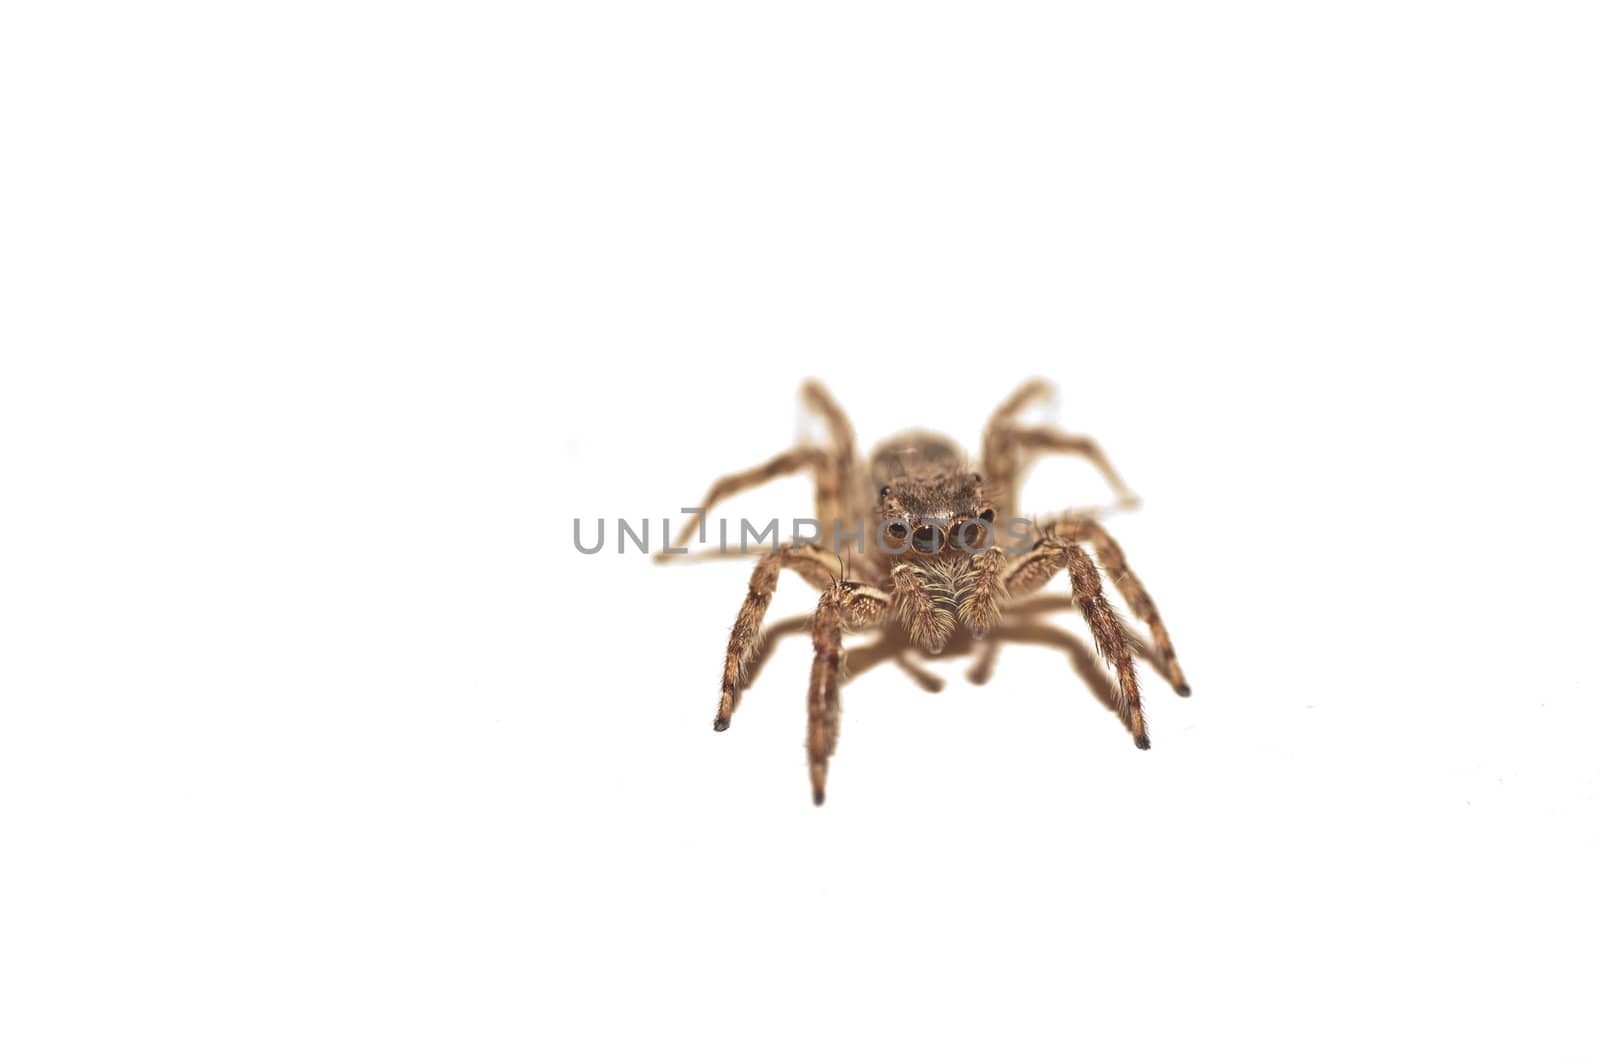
[{"x": 916, "y": 451}]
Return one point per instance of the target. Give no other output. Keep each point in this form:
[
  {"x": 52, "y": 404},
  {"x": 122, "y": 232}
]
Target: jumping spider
[{"x": 930, "y": 570}]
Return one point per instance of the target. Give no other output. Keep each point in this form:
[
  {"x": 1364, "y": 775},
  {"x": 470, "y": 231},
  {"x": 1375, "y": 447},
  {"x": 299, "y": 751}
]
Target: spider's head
[{"x": 933, "y": 509}]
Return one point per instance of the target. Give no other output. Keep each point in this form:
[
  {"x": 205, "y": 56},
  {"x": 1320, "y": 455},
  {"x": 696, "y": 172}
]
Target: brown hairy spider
[{"x": 931, "y": 570}]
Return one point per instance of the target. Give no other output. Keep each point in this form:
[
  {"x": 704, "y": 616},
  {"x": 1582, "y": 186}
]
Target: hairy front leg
[
  {"x": 887, "y": 647},
  {"x": 1110, "y": 556},
  {"x": 844, "y": 605},
  {"x": 1033, "y": 570},
  {"x": 815, "y": 567},
  {"x": 766, "y": 644}
]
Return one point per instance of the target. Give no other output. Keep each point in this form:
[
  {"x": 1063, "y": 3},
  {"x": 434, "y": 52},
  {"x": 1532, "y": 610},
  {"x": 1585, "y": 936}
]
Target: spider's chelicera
[{"x": 935, "y": 576}]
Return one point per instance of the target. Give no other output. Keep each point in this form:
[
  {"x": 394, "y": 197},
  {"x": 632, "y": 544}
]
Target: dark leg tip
[
  {"x": 817, "y": 797},
  {"x": 1142, "y": 741},
  {"x": 720, "y": 724},
  {"x": 1183, "y": 690}
]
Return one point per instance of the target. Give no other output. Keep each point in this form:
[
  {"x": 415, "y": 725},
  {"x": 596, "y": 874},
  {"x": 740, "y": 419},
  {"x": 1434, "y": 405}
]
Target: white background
[{"x": 323, "y": 321}]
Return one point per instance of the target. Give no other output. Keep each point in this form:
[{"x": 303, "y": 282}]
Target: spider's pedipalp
[
  {"x": 980, "y": 590},
  {"x": 925, "y": 604}
]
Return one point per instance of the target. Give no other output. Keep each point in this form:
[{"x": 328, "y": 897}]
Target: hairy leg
[
  {"x": 833, "y": 501},
  {"x": 1030, "y": 442},
  {"x": 1038, "y": 605},
  {"x": 1021, "y": 621},
  {"x": 890, "y": 646},
  {"x": 1033, "y": 570},
  {"x": 982, "y": 669},
  {"x": 1009, "y": 448},
  {"x": 832, "y": 469},
  {"x": 815, "y": 567},
  {"x": 918, "y": 674},
  {"x": 766, "y": 643},
  {"x": 818, "y": 461},
  {"x": 999, "y": 463},
  {"x": 843, "y": 605},
  {"x": 1084, "y": 662},
  {"x": 1110, "y": 556}
]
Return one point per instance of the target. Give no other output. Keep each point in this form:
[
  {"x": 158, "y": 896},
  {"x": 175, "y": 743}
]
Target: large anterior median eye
[{"x": 928, "y": 540}]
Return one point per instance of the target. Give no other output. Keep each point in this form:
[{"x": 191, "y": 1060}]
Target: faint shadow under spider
[{"x": 893, "y": 645}]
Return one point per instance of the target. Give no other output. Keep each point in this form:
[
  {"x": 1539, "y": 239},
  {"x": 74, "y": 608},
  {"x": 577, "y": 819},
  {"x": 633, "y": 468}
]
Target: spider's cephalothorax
[
  {"x": 934, "y": 532},
  {"x": 939, "y": 555},
  {"x": 928, "y": 496}
]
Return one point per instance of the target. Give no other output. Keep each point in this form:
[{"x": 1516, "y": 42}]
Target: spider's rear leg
[
  {"x": 1029, "y": 442},
  {"x": 815, "y": 567},
  {"x": 918, "y": 674},
  {"x": 830, "y": 490},
  {"x": 1083, "y": 659},
  {"x": 1033, "y": 570},
  {"x": 887, "y": 647},
  {"x": 1000, "y": 459},
  {"x": 982, "y": 669},
  {"x": 1139, "y": 601},
  {"x": 766, "y": 644},
  {"x": 1027, "y": 629},
  {"x": 832, "y": 469},
  {"x": 844, "y": 605},
  {"x": 1009, "y": 448},
  {"x": 820, "y": 463}
]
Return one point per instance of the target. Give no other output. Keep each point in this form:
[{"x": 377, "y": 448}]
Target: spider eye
[
  {"x": 928, "y": 540},
  {"x": 897, "y": 531},
  {"x": 972, "y": 535},
  {"x": 883, "y": 492},
  {"x": 987, "y": 516},
  {"x": 976, "y": 478}
]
